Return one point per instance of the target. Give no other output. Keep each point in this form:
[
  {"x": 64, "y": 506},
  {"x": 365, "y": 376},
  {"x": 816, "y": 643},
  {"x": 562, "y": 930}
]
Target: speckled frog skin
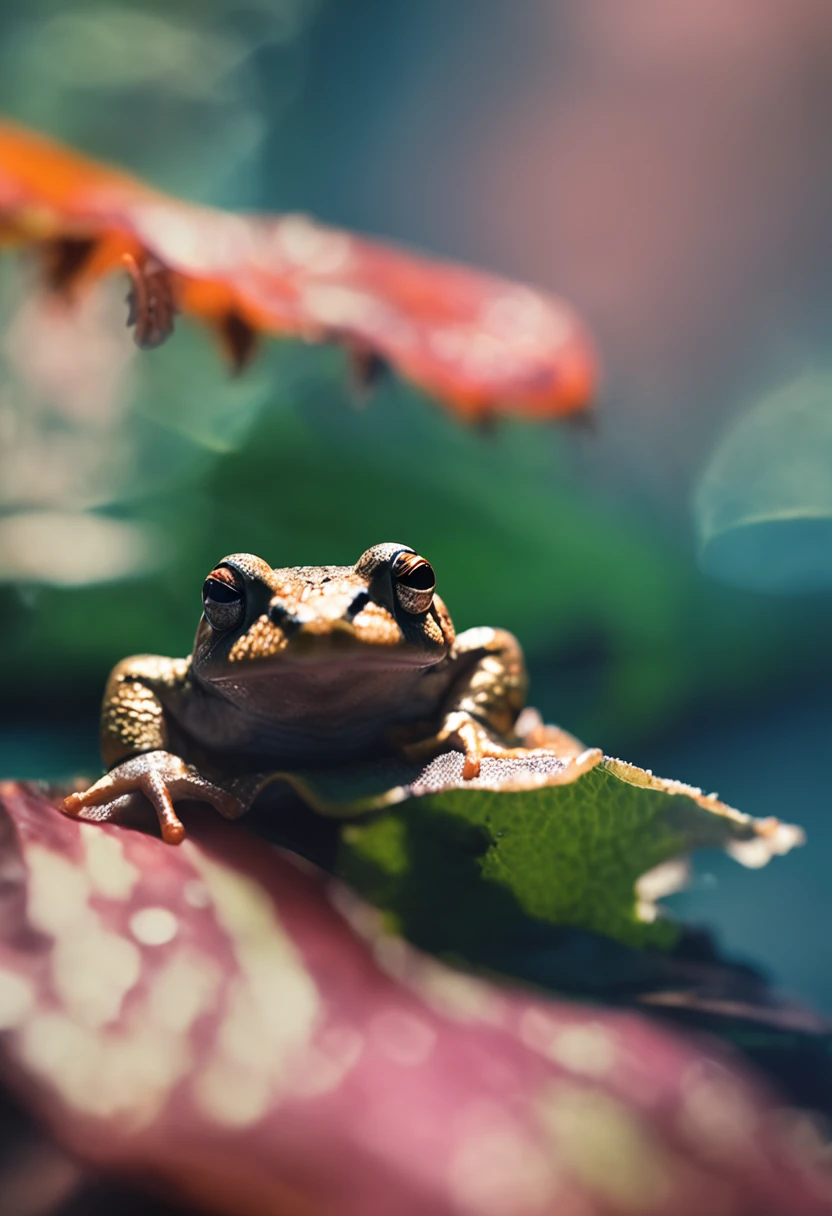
[{"x": 303, "y": 667}]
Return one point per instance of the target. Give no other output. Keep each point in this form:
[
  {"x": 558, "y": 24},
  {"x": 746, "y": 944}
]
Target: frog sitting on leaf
[
  {"x": 349, "y": 684},
  {"x": 312, "y": 666}
]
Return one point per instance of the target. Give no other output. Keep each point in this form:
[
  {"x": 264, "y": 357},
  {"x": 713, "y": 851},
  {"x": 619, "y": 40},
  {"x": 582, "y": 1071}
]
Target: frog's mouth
[
  {"x": 332, "y": 671},
  {"x": 323, "y": 644}
]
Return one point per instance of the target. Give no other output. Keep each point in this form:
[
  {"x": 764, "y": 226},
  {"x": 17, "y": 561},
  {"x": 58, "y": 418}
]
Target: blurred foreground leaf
[
  {"x": 479, "y": 344},
  {"x": 205, "y": 1018}
]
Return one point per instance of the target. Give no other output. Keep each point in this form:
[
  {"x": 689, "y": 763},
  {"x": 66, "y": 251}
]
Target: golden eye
[
  {"x": 222, "y": 599},
  {"x": 414, "y": 581}
]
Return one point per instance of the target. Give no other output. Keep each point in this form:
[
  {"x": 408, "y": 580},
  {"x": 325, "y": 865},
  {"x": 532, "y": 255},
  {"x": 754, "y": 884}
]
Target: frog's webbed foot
[
  {"x": 163, "y": 779},
  {"x": 465, "y": 733}
]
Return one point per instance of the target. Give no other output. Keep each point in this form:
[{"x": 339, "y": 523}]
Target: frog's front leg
[
  {"x": 483, "y": 705},
  {"x": 136, "y": 740},
  {"x": 163, "y": 779}
]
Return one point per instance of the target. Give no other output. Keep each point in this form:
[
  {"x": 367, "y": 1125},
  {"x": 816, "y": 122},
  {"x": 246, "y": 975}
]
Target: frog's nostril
[
  {"x": 359, "y": 604},
  {"x": 278, "y": 615}
]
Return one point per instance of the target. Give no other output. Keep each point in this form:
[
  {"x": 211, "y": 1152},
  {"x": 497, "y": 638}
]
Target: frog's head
[{"x": 381, "y": 614}]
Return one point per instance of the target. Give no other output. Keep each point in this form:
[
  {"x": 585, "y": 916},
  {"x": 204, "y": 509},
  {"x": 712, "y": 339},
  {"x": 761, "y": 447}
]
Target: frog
[{"x": 301, "y": 668}]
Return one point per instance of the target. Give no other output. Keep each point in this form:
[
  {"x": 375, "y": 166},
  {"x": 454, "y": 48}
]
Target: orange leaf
[{"x": 480, "y": 344}]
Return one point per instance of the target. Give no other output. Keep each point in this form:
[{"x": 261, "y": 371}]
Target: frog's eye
[
  {"x": 414, "y": 581},
  {"x": 222, "y": 599}
]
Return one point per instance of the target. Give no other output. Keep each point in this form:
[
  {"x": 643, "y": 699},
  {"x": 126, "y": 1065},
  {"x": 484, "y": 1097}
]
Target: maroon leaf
[{"x": 222, "y": 1018}]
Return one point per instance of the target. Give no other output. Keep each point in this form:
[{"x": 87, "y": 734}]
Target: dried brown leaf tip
[
  {"x": 64, "y": 261},
  {"x": 226, "y": 1022},
  {"x": 150, "y": 302},
  {"x": 481, "y": 345}
]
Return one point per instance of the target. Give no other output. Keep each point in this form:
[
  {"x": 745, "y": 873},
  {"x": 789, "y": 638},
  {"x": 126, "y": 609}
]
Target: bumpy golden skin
[{"x": 309, "y": 666}]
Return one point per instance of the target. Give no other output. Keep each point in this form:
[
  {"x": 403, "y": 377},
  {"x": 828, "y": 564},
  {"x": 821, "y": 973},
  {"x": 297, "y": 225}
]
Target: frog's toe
[
  {"x": 72, "y": 805},
  {"x": 127, "y": 809},
  {"x": 471, "y": 765},
  {"x": 154, "y": 788},
  {"x": 492, "y": 750},
  {"x": 474, "y": 742},
  {"x": 462, "y": 732},
  {"x": 478, "y": 743},
  {"x": 98, "y": 794}
]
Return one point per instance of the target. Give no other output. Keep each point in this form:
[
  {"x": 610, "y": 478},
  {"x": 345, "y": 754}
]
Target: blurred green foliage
[{"x": 289, "y": 469}]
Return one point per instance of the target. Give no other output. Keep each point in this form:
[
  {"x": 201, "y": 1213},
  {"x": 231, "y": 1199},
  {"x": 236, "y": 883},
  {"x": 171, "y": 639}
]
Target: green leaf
[
  {"x": 547, "y": 840},
  {"x": 764, "y": 502}
]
